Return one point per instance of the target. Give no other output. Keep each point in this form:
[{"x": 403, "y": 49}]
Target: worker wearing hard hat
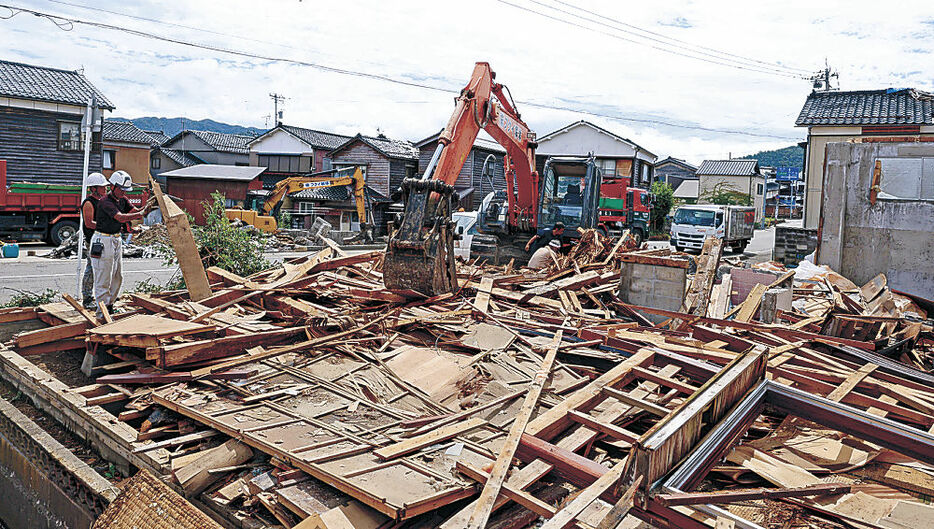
[
  {"x": 113, "y": 211},
  {"x": 546, "y": 255},
  {"x": 97, "y": 189}
]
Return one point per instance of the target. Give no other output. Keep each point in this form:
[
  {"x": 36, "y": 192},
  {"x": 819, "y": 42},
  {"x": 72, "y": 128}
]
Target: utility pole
[
  {"x": 821, "y": 80},
  {"x": 276, "y": 115}
]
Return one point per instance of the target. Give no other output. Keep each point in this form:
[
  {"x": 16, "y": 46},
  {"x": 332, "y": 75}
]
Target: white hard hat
[
  {"x": 122, "y": 179},
  {"x": 554, "y": 243},
  {"x": 96, "y": 179}
]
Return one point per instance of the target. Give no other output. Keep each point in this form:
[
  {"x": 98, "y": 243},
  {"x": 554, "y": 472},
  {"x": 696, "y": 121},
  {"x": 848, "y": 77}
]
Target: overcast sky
[{"x": 546, "y": 51}]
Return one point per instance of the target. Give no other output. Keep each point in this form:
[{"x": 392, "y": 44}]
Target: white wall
[
  {"x": 580, "y": 140},
  {"x": 280, "y": 142}
]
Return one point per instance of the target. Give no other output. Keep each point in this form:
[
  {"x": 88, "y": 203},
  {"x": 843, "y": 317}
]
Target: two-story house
[
  {"x": 674, "y": 171},
  {"x": 41, "y": 110},
  {"x": 863, "y": 116},
  {"x": 617, "y": 156},
  {"x": 737, "y": 176}
]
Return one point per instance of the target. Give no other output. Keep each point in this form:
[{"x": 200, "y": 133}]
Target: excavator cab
[{"x": 570, "y": 193}]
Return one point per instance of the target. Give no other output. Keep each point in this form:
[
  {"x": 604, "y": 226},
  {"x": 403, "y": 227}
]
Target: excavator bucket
[{"x": 420, "y": 253}]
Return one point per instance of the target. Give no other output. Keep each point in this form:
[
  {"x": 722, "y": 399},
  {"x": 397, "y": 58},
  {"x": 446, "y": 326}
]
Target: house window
[
  {"x": 609, "y": 168},
  {"x": 109, "y": 159},
  {"x": 155, "y": 163},
  {"x": 230, "y": 203},
  {"x": 283, "y": 163},
  {"x": 646, "y": 174},
  {"x": 758, "y": 189},
  {"x": 907, "y": 179},
  {"x": 69, "y": 136}
]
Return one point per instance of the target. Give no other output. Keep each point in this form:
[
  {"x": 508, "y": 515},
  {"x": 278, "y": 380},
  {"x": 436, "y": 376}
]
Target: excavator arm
[{"x": 420, "y": 253}]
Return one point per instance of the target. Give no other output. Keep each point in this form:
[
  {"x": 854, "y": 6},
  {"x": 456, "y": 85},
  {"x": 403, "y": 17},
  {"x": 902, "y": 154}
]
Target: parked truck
[
  {"x": 31, "y": 211},
  {"x": 692, "y": 224},
  {"x": 623, "y": 207}
]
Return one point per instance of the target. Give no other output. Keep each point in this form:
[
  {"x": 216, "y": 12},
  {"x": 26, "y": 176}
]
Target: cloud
[{"x": 541, "y": 60}]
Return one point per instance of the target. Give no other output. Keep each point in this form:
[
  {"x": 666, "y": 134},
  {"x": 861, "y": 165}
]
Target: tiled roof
[
  {"x": 676, "y": 161},
  {"x": 479, "y": 143},
  {"x": 401, "y": 149},
  {"x": 220, "y": 141},
  {"x": 39, "y": 83},
  {"x": 126, "y": 131},
  {"x": 147, "y": 503},
  {"x": 158, "y": 136},
  {"x": 317, "y": 138},
  {"x": 738, "y": 167},
  {"x": 333, "y": 194},
  {"x": 868, "y": 107},
  {"x": 185, "y": 159}
]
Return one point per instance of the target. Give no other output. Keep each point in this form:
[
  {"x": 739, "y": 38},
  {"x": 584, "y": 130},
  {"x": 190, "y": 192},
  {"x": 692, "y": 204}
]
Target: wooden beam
[
  {"x": 413, "y": 444},
  {"x": 566, "y": 516},
  {"x": 517, "y": 495},
  {"x": 50, "y": 334},
  {"x": 851, "y": 382},
  {"x": 81, "y": 310},
  {"x": 484, "y": 507},
  {"x": 621, "y": 507},
  {"x": 718, "y": 498},
  {"x": 749, "y": 306},
  {"x": 482, "y": 301},
  {"x": 610, "y": 430},
  {"x": 571, "y": 466},
  {"x": 644, "y": 405}
]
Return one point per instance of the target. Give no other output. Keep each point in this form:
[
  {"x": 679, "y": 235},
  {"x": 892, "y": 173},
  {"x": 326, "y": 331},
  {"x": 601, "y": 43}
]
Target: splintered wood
[{"x": 310, "y": 396}]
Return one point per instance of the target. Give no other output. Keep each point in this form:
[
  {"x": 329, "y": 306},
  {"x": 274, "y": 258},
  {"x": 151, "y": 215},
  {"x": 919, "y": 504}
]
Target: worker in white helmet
[
  {"x": 97, "y": 189},
  {"x": 113, "y": 212},
  {"x": 546, "y": 255}
]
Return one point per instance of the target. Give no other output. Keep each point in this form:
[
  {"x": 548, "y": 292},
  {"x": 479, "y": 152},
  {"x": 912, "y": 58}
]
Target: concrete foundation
[
  {"x": 861, "y": 240},
  {"x": 653, "y": 285}
]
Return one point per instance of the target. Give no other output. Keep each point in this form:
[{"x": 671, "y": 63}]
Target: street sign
[{"x": 787, "y": 174}]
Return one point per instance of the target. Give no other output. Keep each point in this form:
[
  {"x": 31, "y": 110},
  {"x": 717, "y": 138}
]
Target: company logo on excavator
[{"x": 510, "y": 126}]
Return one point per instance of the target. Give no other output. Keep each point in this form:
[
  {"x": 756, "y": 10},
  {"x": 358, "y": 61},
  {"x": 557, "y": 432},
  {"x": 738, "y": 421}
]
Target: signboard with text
[{"x": 787, "y": 174}]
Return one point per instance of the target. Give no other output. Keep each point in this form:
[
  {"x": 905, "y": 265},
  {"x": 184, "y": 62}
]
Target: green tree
[
  {"x": 725, "y": 194},
  {"x": 226, "y": 246},
  {"x": 662, "y": 200}
]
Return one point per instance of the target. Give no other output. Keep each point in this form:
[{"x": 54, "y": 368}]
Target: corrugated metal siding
[
  {"x": 28, "y": 141},
  {"x": 377, "y": 172}
]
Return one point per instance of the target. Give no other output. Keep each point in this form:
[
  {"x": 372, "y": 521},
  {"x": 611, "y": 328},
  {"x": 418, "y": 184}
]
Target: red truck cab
[{"x": 623, "y": 207}]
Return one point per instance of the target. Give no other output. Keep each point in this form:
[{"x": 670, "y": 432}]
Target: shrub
[
  {"x": 662, "y": 200},
  {"x": 31, "y": 299}
]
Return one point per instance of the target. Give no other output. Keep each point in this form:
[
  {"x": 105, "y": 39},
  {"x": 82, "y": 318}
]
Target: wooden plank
[
  {"x": 697, "y": 298},
  {"x": 482, "y": 301},
  {"x": 517, "y": 495},
  {"x": 610, "y": 430},
  {"x": 187, "y": 438},
  {"x": 194, "y": 477},
  {"x": 183, "y": 242},
  {"x": 566, "y": 516},
  {"x": 53, "y": 347},
  {"x": 413, "y": 444},
  {"x": 654, "y": 409},
  {"x": 719, "y": 498},
  {"x": 18, "y": 314},
  {"x": 50, "y": 334},
  {"x": 748, "y": 308},
  {"x": 621, "y": 507},
  {"x": 186, "y": 353},
  {"x": 81, "y": 310},
  {"x": 168, "y": 378},
  {"x": 491, "y": 488},
  {"x": 573, "y": 467},
  {"x": 851, "y": 382},
  {"x": 104, "y": 312}
]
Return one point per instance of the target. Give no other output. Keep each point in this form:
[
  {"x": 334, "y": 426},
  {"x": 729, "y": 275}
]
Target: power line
[
  {"x": 645, "y": 44},
  {"x": 689, "y": 44},
  {"x": 57, "y": 20}
]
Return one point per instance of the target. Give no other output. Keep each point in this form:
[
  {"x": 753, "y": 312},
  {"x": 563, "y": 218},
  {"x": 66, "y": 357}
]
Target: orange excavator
[{"x": 420, "y": 253}]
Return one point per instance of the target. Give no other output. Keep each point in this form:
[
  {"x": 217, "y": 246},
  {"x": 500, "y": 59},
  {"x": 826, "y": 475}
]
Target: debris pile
[{"x": 310, "y": 392}]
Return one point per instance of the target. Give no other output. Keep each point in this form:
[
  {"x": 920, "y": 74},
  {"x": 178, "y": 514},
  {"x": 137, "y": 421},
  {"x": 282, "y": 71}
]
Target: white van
[{"x": 692, "y": 224}]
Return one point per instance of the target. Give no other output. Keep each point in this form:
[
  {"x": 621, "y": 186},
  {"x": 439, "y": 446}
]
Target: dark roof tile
[
  {"x": 39, "y": 83},
  {"x": 126, "y": 131},
  {"x": 738, "y": 167},
  {"x": 868, "y": 107}
]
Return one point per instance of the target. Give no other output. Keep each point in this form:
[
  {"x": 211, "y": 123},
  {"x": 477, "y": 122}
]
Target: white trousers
[{"x": 108, "y": 269}]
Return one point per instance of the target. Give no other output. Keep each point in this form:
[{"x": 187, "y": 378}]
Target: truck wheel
[
  {"x": 638, "y": 235},
  {"x": 61, "y": 231}
]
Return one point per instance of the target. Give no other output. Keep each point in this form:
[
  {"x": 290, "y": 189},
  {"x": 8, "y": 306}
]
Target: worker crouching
[
  {"x": 546, "y": 255},
  {"x": 113, "y": 212}
]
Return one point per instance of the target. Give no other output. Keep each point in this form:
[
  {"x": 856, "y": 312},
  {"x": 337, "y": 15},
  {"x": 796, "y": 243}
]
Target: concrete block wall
[{"x": 652, "y": 285}]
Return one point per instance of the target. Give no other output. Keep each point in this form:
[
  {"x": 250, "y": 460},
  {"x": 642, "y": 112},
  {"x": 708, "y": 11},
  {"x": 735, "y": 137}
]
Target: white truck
[
  {"x": 692, "y": 224},
  {"x": 466, "y": 222}
]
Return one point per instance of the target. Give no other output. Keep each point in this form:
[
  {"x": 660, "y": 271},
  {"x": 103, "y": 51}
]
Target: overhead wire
[
  {"x": 679, "y": 41},
  {"x": 368, "y": 75},
  {"x": 648, "y": 44}
]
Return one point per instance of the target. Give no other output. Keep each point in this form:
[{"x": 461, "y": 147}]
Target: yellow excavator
[{"x": 264, "y": 216}]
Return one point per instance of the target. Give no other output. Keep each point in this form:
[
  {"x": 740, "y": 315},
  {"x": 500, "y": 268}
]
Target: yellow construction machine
[{"x": 264, "y": 217}]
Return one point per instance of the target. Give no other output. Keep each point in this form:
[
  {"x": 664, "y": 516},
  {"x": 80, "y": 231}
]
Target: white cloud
[{"x": 541, "y": 60}]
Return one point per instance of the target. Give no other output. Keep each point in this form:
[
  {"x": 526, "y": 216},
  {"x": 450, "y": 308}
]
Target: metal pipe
[{"x": 433, "y": 162}]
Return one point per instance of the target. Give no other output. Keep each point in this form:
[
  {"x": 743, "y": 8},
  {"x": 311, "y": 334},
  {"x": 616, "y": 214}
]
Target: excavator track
[{"x": 420, "y": 253}]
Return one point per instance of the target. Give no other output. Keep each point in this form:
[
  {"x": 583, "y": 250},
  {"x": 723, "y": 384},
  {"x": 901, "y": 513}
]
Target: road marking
[{"x": 125, "y": 272}]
